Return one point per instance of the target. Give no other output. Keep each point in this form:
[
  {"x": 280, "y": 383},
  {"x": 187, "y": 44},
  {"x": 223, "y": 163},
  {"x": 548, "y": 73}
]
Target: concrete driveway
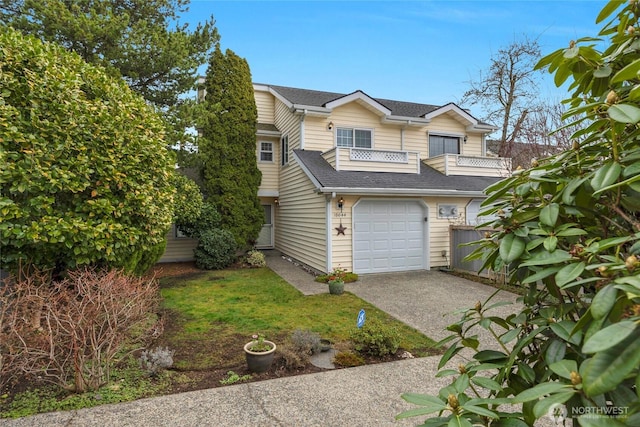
[{"x": 429, "y": 300}]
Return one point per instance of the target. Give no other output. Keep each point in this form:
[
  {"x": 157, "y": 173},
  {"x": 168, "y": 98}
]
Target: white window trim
[
  {"x": 460, "y": 137},
  {"x": 353, "y": 129},
  {"x": 284, "y": 150},
  {"x": 260, "y": 151}
]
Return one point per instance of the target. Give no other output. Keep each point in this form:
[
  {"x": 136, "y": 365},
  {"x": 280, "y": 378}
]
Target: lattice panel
[
  {"x": 379, "y": 156},
  {"x": 480, "y": 162}
]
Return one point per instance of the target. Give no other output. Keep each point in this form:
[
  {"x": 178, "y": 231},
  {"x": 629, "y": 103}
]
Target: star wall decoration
[{"x": 340, "y": 229}]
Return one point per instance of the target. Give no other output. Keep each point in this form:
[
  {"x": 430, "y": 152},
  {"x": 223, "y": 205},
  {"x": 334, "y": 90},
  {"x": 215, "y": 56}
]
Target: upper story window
[
  {"x": 284, "y": 160},
  {"x": 266, "y": 151},
  {"x": 443, "y": 144},
  {"x": 357, "y": 138}
]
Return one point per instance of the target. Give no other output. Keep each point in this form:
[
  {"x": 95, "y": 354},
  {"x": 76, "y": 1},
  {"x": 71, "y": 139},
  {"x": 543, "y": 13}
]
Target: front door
[{"x": 265, "y": 239}]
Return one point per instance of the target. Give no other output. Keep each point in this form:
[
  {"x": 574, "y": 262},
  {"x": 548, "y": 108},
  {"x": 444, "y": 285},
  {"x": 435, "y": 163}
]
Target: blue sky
[{"x": 418, "y": 51}]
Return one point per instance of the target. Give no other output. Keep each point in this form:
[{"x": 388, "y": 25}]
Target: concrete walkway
[{"x": 363, "y": 396}]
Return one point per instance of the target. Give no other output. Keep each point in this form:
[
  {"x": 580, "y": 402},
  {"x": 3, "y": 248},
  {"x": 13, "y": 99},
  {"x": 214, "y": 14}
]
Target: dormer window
[
  {"x": 443, "y": 144},
  {"x": 355, "y": 138}
]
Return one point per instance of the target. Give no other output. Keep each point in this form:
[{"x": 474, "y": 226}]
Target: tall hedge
[
  {"x": 228, "y": 146},
  {"x": 84, "y": 170}
]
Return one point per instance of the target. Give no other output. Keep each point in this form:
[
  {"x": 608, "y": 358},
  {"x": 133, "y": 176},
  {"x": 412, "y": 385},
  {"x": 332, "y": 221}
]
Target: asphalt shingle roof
[
  {"x": 318, "y": 98},
  {"x": 427, "y": 179}
]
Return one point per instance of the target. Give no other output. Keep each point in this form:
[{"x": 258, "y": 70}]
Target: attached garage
[{"x": 389, "y": 235}]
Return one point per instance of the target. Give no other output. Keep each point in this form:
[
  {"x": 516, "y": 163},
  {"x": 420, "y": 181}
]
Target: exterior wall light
[{"x": 330, "y": 126}]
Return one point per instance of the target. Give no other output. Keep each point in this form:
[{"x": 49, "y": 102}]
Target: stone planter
[
  {"x": 259, "y": 361},
  {"x": 336, "y": 287}
]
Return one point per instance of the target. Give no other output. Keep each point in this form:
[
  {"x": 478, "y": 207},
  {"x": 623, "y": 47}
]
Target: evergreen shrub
[{"x": 216, "y": 249}]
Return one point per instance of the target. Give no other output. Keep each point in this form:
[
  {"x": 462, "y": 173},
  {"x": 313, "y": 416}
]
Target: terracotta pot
[{"x": 259, "y": 361}]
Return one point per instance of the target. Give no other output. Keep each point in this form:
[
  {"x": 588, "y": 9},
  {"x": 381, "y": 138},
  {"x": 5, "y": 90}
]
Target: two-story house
[{"x": 367, "y": 184}]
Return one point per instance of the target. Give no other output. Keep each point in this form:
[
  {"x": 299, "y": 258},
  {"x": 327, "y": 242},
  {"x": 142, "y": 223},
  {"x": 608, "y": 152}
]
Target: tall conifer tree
[{"x": 228, "y": 146}]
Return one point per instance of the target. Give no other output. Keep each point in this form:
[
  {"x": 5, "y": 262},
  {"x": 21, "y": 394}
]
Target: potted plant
[
  {"x": 336, "y": 281},
  {"x": 259, "y": 354}
]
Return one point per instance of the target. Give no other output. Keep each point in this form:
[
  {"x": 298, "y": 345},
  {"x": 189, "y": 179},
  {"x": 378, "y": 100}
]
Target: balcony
[
  {"x": 456, "y": 164},
  {"x": 369, "y": 160}
]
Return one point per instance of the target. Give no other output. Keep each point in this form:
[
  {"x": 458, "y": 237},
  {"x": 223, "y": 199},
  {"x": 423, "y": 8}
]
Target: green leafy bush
[
  {"x": 188, "y": 203},
  {"x": 569, "y": 229},
  {"x": 376, "y": 338},
  {"x": 207, "y": 219},
  {"x": 216, "y": 249},
  {"x": 256, "y": 259},
  {"x": 85, "y": 176}
]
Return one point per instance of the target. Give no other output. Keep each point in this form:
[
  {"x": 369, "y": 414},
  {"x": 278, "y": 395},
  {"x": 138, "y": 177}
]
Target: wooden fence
[{"x": 459, "y": 235}]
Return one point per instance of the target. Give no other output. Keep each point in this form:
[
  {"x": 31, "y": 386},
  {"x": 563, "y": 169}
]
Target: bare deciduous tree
[
  {"x": 507, "y": 91},
  {"x": 544, "y": 132}
]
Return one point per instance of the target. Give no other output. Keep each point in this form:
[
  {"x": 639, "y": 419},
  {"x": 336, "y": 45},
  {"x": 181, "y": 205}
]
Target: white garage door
[{"x": 388, "y": 236}]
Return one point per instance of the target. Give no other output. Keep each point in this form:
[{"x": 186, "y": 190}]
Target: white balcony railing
[
  {"x": 455, "y": 164},
  {"x": 372, "y": 160},
  {"x": 378, "y": 155},
  {"x": 481, "y": 162}
]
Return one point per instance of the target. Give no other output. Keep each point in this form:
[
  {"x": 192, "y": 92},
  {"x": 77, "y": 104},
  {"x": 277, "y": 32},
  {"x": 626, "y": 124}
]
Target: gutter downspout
[
  {"x": 302, "y": 116},
  {"x": 328, "y": 205},
  {"x": 446, "y": 165}
]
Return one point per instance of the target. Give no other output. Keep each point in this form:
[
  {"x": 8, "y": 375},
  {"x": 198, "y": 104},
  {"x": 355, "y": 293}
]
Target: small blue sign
[{"x": 361, "y": 318}]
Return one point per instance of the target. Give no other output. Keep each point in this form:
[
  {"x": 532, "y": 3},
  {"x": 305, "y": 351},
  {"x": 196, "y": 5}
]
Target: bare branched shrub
[{"x": 69, "y": 331}]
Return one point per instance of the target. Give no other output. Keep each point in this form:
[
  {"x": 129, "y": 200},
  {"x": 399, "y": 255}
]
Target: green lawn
[{"x": 249, "y": 301}]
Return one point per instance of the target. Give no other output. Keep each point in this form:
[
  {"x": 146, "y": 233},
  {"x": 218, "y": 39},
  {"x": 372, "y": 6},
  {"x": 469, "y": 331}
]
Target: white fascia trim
[
  {"x": 407, "y": 121},
  {"x": 268, "y": 193},
  {"x": 309, "y": 110},
  {"x": 452, "y": 107},
  {"x": 313, "y": 179},
  {"x": 482, "y": 128},
  {"x": 260, "y": 88},
  {"x": 284, "y": 100},
  {"x": 271, "y": 133},
  {"x": 359, "y": 95},
  {"x": 402, "y": 191}
]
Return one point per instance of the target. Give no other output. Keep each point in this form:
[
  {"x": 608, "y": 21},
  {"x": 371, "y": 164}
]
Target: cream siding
[
  {"x": 473, "y": 146},
  {"x": 439, "y": 229},
  {"x": 341, "y": 246},
  {"x": 317, "y": 135},
  {"x": 300, "y": 227},
  {"x": 288, "y": 124},
  {"x": 178, "y": 249},
  {"x": 265, "y": 105},
  {"x": 270, "y": 170}
]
